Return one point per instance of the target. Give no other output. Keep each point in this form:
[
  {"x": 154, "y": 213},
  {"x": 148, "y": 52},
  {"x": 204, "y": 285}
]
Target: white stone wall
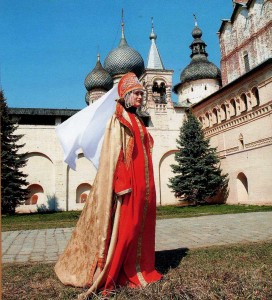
[
  {"x": 47, "y": 169},
  {"x": 45, "y": 163},
  {"x": 244, "y": 139},
  {"x": 197, "y": 90}
]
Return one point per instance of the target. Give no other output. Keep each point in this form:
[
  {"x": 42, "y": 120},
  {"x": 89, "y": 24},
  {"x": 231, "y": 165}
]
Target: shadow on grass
[{"x": 169, "y": 259}]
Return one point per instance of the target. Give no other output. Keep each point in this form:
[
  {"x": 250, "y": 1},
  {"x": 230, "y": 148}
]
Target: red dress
[{"x": 133, "y": 261}]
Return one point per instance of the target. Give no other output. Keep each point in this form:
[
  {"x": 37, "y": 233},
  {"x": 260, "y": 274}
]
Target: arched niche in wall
[
  {"x": 82, "y": 192},
  {"x": 242, "y": 188},
  {"x": 243, "y": 105},
  {"x": 36, "y": 193},
  {"x": 223, "y": 112},
  {"x": 40, "y": 170},
  {"x": 201, "y": 120},
  {"x": 207, "y": 120},
  {"x": 256, "y": 96},
  {"x": 165, "y": 195},
  {"x": 233, "y": 110},
  {"x": 85, "y": 173},
  {"x": 214, "y": 116}
]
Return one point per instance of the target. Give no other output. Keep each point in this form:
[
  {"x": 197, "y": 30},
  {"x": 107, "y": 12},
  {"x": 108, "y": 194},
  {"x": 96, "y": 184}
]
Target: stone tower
[
  {"x": 201, "y": 77},
  {"x": 158, "y": 83}
]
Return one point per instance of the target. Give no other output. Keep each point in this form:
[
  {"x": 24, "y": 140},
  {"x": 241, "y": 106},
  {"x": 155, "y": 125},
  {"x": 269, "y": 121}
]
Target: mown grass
[
  {"x": 69, "y": 219},
  {"x": 204, "y": 210},
  {"x": 227, "y": 272}
]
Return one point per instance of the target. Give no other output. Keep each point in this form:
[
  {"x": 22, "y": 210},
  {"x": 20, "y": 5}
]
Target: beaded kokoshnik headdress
[{"x": 128, "y": 83}]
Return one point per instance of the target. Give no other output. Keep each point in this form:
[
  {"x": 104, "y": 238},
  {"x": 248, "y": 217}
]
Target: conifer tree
[
  {"x": 198, "y": 174},
  {"x": 13, "y": 180}
]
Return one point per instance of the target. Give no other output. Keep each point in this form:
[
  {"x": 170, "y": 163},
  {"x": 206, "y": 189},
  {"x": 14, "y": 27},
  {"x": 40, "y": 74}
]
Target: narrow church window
[
  {"x": 256, "y": 95},
  {"x": 215, "y": 117},
  {"x": 233, "y": 106},
  {"x": 205, "y": 88},
  {"x": 246, "y": 61},
  {"x": 207, "y": 120},
  {"x": 224, "y": 112},
  {"x": 192, "y": 89},
  {"x": 243, "y": 102},
  {"x": 241, "y": 140}
]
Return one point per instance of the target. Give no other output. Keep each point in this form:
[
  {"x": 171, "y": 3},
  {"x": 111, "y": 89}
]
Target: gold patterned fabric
[{"x": 92, "y": 242}]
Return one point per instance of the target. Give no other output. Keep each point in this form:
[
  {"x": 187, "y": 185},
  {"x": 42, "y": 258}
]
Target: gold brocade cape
[{"x": 93, "y": 240}]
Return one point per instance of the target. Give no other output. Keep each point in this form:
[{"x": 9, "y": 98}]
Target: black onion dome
[
  {"x": 200, "y": 68},
  {"x": 197, "y": 32},
  {"x": 124, "y": 59},
  {"x": 98, "y": 78}
]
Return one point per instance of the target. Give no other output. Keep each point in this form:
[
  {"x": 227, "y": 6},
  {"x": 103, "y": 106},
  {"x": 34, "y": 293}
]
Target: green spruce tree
[
  {"x": 198, "y": 174},
  {"x": 13, "y": 180}
]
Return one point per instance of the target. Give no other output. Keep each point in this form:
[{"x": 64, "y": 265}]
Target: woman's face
[{"x": 136, "y": 98}]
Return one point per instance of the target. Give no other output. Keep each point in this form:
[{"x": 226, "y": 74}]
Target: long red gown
[
  {"x": 133, "y": 261},
  {"x": 113, "y": 242}
]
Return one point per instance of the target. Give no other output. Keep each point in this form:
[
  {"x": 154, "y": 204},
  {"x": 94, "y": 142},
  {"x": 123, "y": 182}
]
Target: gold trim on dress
[{"x": 139, "y": 246}]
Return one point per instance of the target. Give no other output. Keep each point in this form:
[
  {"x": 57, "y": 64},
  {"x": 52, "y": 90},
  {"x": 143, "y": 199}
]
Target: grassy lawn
[
  {"x": 69, "y": 219},
  {"x": 241, "y": 271}
]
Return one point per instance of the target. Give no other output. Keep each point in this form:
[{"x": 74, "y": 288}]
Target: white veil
[{"x": 85, "y": 129}]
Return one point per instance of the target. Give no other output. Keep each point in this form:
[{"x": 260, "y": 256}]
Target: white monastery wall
[
  {"x": 243, "y": 137},
  {"x": 197, "y": 90},
  {"x": 49, "y": 176}
]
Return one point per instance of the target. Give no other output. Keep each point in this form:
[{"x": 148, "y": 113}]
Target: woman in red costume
[{"x": 113, "y": 243}]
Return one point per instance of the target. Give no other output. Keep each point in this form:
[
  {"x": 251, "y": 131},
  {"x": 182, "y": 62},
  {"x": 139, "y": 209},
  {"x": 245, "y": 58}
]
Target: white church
[{"x": 233, "y": 104}]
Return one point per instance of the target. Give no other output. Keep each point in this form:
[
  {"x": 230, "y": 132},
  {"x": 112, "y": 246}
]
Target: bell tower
[{"x": 157, "y": 81}]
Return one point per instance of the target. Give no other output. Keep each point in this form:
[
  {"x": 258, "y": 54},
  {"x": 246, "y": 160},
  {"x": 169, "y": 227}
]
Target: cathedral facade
[{"x": 235, "y": 110}]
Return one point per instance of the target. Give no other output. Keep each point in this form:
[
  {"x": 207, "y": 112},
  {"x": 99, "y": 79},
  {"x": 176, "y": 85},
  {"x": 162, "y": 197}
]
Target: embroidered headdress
[{"x": 128, "y": 83}]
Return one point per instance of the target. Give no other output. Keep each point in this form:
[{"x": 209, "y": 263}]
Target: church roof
[
  {"x": 40, "y": 116},
  {"x": 154, "y": 58},
  {"x": 124, "y": 59},
  {"x": 98, "y": 78},
  {"x": 199, "y": 67}
]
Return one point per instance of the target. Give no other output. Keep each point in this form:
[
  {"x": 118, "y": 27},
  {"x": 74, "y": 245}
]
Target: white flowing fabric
[{"x": 85, "y": 129}]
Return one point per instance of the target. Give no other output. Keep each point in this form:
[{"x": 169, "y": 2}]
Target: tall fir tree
[
  {"x": 13, "y": 180},
  {"x": 198, "y": 174}
]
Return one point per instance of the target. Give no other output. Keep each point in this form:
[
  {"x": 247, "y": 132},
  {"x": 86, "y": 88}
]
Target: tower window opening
[
  {"x": 162, "y": 91},
  {"x": 159, "y": 92},
  {"x": 155, "y": 87}
]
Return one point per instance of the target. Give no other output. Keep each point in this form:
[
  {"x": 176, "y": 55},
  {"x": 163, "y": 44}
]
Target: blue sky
[{"x": 49, "y": 46}]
